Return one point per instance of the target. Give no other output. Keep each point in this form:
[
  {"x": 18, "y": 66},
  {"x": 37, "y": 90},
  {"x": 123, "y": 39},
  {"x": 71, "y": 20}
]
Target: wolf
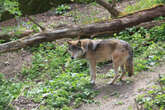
[{"x": 119, "y": 51}]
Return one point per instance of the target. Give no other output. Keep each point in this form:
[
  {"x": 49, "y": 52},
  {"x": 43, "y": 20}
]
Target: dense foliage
[
  {"x": 53, "y": 79},
  {"x": 56, "y": 81},
  {"x": 61, "y": 9},
  {"x": 65, "y": 81},
  {"x": 143, "y": 4},
  {"x": 9, "y": 90},
  {"x": 10, "y": 8}
]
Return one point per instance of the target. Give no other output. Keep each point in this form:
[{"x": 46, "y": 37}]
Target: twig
[
  {"x": 113, "y": 3},
  {"x": 18, "y": 95},
  {"x": 109, "y": 7},
  {"x": 39, "y": 105},
  {"x": 141, "y": 107},
  {"x": 41, "y": 27},
  {"x": 65, "y": 52},
  {"x": 160, "y": 84},
  {"x": 136, "y": 104}
]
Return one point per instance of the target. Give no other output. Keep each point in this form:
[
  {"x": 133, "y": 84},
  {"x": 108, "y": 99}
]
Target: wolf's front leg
[{"x": 92, "y": 65}]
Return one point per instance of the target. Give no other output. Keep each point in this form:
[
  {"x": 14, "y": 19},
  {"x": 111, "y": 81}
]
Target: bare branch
[
  {"x": 110, "y": 7},
  {"x": 113, "y": 3},
  {"x": 136, "y": 104},
  {"x": 31, "y": 19}
]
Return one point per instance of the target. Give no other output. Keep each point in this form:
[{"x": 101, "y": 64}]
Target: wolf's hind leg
[
  {"x": 116, "y": 66},
  {"x": 123, "y": 72}
]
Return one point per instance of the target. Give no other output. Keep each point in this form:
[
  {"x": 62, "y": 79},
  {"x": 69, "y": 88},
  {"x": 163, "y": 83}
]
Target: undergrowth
[
  {"x": 143, "y": 4},
  {"x": 154, "y": 97},
  {"x": 9, "y": 90},
  {"x": 63, "y": 82},
  {"x": 57, "y": 82},
  {"x": 148, "y": 45}
]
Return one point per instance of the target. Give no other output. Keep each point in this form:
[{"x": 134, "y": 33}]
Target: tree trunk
[
  {"x": 110, "y": 7},
  {"x": 114, "y": 26}
]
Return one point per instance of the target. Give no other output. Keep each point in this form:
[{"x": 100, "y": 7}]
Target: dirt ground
[
  {"x": 47, "y": 19},
  {"x": 120, "y": 96},
  {"x": 11, "y": 63}
]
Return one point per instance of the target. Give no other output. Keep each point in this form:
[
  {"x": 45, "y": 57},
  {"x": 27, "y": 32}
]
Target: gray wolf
[{"x": 119, "y": 51}]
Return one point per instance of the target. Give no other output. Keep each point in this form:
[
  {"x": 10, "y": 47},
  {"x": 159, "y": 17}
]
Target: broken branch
[
  {"x": 41, "y": 27},
  {"x": 110, "y": 7}
]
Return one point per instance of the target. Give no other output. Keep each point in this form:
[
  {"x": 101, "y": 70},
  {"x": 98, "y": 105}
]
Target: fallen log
[
  {"x": 150, "y": 24},
  {"x": 8, "y": 36},
  {"x": 113, "y": 26}
]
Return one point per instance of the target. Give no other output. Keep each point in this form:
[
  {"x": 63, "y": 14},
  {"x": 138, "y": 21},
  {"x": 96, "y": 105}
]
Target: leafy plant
[
  {"x": 155, "y": 97},
  {"x": 142, "y": 4},
  {"x": 62, "y": 9},
  {"x": 10, "y": 6},
  {"x": 64, "y": 82},
  {"x": 8, "y": 91},
  {"x": 159, "y": 18},
  {"x": 147, "y": 45}
]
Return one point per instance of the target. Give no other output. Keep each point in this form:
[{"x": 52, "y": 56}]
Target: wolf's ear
[{"x": 79, "y": 43}]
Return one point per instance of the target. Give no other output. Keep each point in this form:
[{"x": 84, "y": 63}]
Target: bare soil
[
  {"x": 23, "y": 103},
  {"x": 11, "y": 63},
  {"x": 50, "y": 20},
  {"x": 121, "y": 95}
]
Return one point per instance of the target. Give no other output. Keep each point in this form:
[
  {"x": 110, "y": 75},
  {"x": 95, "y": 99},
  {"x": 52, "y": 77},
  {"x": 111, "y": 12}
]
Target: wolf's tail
[{"x": 129, "y": 64}]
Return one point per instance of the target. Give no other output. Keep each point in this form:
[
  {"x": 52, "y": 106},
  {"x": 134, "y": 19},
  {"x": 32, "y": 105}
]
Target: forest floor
[
  {"x": 12, "y": 62},
  {"x": 119, "y": 96}
]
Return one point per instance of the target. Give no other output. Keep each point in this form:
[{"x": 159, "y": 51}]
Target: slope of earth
[{"x": 121, "y": 95}]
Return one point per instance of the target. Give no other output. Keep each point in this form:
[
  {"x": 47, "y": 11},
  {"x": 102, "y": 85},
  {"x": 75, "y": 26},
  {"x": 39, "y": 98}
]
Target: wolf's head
[{"x": 76, "y": 49}]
